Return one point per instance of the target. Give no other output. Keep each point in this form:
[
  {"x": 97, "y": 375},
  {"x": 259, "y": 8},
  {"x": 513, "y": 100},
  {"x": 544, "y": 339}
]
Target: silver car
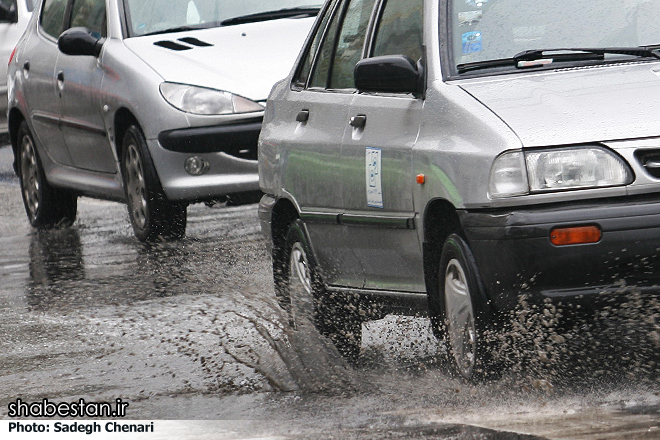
[
  {"x": 459, "y": 155},
  {"x": 156, "y": 103},
  {"x": 14, "y": 17}
]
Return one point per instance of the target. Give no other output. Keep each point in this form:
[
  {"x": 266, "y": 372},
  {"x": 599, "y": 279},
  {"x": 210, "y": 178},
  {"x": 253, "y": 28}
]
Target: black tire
[
  {"x": 468, "y": 321},
  {"x": 302, "y": 294},
  {"x": 46, "y": 207},
  {"x": 152, "y": 215}
]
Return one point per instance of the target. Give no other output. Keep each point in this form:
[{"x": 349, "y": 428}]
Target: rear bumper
[{"x": 516, "y": 257}]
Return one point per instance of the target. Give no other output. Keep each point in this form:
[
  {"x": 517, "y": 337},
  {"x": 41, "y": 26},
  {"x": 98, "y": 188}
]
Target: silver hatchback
[
  {"x": 459, "y": 155},
  {"x": 156, "y": 103}
]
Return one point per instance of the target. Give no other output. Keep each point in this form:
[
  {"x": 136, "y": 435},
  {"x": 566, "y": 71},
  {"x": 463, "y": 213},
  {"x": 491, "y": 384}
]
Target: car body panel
[
  {"x": 449, "y": 137},
  {"x": 267, "y": 44},
  {"x": 576, "y": 106},
  {"x": 75, "y": 104}
]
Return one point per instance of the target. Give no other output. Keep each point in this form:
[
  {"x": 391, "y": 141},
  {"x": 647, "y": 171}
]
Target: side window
[
  {"x": 350, "y": 43},
  {"x": 52, "y": 17},
  {"x": 400, "y": 29},
  {"x": 91, "y": 15},
  {"x": 324, "y": 56},
  {"x": 8, "y": 5},
  {"x": 305, "y": 66}
]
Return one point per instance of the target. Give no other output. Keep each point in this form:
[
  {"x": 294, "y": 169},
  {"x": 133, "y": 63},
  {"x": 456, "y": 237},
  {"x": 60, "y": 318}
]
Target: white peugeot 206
[
  {"x": 156, "y": 103},
  {"x": 459, "y": 155}
]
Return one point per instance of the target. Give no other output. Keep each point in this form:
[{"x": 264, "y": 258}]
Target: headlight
[
  {"x": 204, "y": 101},
  {"x": 557, "y": 169}
]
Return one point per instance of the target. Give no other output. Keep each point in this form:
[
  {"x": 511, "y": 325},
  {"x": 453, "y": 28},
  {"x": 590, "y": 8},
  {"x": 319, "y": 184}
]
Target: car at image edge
[
  {"x": 14, "y": 17},
  {"x": 464, "y": 158},
  {"x": 154, "y": 103}
]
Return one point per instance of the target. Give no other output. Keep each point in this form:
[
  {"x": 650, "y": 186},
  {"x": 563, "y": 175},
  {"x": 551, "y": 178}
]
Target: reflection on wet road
[{"x": 190, "y": 330}]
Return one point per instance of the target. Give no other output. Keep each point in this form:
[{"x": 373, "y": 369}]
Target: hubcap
[
  {"x": 30, "y": 176},
  {"x": 300, "y": 286},
  {"x": 460, "y": 318},
  {"x": 135, "y": 186}
]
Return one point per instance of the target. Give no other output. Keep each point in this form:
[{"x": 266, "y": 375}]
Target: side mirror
[
  {"x": 80, "y": 41},
  {"x": 389, "y": 74},
  {"x": 8, "y": 14}
]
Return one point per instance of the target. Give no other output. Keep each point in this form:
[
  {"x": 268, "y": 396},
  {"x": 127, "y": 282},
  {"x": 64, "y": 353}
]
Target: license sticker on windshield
[
  {"x": 477, "y": 3},
  {"x": 471, "y": 42},
  {"x": 373, "y": 170},
  {"x": 468, "y": 18}
]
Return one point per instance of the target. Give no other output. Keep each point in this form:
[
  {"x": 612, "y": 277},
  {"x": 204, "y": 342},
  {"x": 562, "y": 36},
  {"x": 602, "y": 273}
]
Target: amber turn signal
[{"x": 575, "y": 235}]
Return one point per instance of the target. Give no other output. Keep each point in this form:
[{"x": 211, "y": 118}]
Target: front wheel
[
  {"x": 468, "y": 319},
  {"x": 303, "y": 296},
  {"x": 45, "y": 206},
  {"x": 152, "y": 215}
]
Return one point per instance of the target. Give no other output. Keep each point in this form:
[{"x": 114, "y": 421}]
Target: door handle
[
  {"x": 303, "y": 116},
  {"x": 358, "y": 121},
  {"x": 60, "y": 83},
  {"x": 26, "y": 66}
]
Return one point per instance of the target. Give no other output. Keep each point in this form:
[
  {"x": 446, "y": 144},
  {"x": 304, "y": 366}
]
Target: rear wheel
[
  {"x": 45, "y": 206},
  {"x": 468, "y": 321},
  {"x": 152, "y": 215},
  {"x": 303, "y": 296}
]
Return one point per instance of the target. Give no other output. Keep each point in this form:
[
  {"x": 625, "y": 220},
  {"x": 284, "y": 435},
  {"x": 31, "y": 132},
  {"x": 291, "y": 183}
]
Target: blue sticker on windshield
[{"x": 471, "y": 42}]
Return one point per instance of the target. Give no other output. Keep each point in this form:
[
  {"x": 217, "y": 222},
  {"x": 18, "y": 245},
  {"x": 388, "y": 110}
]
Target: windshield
[
  {"x": 159, "y": 16},
  {"x": 483, "y": 30}
]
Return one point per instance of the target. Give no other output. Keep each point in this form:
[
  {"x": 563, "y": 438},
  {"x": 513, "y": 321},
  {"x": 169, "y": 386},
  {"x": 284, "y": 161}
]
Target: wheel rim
[
  {"x": 460, "y": 318},
  {"x": 30, "y": 176},
  {"x": 135, "y": 186},
  {"x": 300, "y": 286}
]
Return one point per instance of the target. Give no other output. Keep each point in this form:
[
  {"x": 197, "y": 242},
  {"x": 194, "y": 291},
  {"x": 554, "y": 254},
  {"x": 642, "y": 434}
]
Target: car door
[
  {"x": 321, "y": 106},
  {"x": 378, "y": 178},
  {"x": 41, "y": 95},
  {"x": 79, "y": 79}
]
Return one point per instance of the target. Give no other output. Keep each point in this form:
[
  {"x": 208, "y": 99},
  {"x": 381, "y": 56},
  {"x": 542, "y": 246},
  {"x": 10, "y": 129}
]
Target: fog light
[
  {"x": 196, "y": 166},
  {"x": 575, "y": 235}
]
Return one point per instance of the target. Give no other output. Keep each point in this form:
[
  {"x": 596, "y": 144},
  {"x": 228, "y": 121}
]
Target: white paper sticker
[{"x": 373, "y": 169}]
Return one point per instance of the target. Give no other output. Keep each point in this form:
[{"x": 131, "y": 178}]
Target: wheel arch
[
  {"x": 124, "y": 118},
  {"x": 439, "y": 222},
  {"x": 284, "y": 213},
  {"x": 14, "y": 121}
]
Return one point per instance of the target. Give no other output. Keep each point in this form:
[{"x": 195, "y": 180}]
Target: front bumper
[
  {"x": 515, "y": 256},
  {"x": 230, "y": 150}
]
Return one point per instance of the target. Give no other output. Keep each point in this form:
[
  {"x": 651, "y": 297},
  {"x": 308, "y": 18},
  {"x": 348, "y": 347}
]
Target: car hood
[
  {"x": 245, "y": 59},
  {"x": 578, "y": 105}
]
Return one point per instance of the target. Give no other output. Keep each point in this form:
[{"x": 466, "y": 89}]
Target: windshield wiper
[
  {"x": 641, "y": 51},
  {"x": 541, "y": 57},
  {"x": 273, "y": 15}
]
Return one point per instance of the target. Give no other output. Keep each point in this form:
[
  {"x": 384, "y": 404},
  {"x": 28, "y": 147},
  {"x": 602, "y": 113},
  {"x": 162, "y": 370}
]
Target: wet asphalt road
[{"x": 190, "y": 331}]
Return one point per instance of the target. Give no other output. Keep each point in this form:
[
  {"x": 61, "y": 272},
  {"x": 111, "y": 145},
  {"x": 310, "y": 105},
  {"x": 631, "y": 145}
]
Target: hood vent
[
  {"x": 600, "y": 66},
  {"x": 195, "y": 42},
  {"x": 173, "y": 45},
  {"x": 650, "y": 160}
]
